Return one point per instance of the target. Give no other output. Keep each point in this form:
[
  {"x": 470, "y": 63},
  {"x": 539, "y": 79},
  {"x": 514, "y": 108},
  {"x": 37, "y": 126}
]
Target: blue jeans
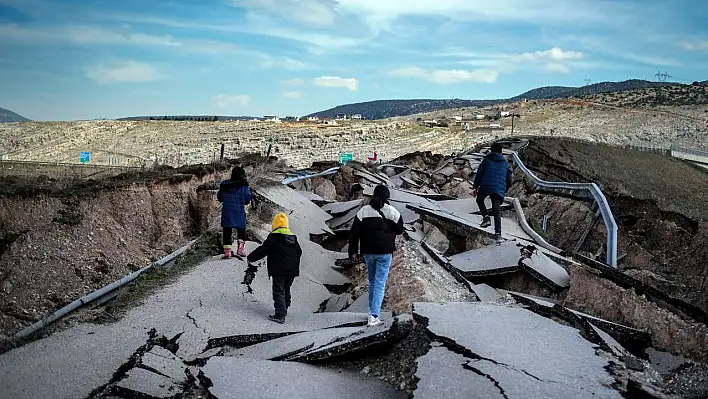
[{"x": 377, "y": 266}]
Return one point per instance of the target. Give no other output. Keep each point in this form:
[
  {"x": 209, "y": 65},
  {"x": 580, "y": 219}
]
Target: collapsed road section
[{"x": 465, "y": 316}]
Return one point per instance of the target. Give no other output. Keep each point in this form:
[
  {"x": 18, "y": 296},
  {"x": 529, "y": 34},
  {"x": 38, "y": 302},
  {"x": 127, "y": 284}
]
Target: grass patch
[{"x": 674, "y": 185}]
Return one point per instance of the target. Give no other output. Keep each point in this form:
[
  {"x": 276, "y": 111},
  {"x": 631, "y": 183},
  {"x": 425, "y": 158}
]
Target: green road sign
[{"x": 346, "y": 157}]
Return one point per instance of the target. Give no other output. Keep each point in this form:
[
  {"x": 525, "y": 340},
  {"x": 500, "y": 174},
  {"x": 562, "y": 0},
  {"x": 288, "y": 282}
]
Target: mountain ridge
[
  {"x": 381, "y": 109},
  {"x": 7, "y": 116}
]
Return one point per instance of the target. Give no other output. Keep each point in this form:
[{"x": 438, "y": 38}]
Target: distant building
[
  {"x": 458, "y": 118},
  {"x": 480, "y": 117},
  {"x": 341, "y": 117},
  {"x": 313, "y": 119},
  {"x": 357, "y": 116},
  {"x": 271, "y": 118},
  {"x": 291, "y": 119},
  {"x": 504, "y": 114}
]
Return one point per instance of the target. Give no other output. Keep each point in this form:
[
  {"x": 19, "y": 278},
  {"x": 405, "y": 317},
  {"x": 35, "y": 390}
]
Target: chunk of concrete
[
  {"x": 234, "y": 378},
  {"x": 293, "y": 324},
  {"x": 387, "y": 334},
  {"x": 407, "y": 215},
  {"x": 486, "y": 293},
  {"x": 337, "y": 303},
  {"x": 341, "y": 208},
  {"x": 143, "y": 383},
  {"x": 344, "y": 221},
  {"x": 164, "y": 362},
  {"x": 292, "y": 345},
  {"x": 360, "y": 304},
  {"x": 312, "y": 219},
  {"x": 523, "y": 354},
  {"x": 546, "y": 270},
  {"x": 496, "y": 259},
  {"x": 610, "y": 342}
]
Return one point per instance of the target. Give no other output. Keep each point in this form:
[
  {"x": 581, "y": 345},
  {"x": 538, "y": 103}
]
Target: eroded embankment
[
  {"x": 61, "y": 241},
  {"x": 663, "y": 239}
]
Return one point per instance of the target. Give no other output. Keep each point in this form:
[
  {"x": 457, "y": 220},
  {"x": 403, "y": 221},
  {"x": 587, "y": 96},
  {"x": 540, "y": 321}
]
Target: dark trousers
[
  {"x": 496, "y": 209},
  {"x": 281, "y": 294},
  {"x": 229, "y": 232}
]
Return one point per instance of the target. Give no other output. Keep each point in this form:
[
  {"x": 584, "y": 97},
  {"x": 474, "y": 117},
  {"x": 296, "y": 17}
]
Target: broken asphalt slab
[
  {"x": 337, "y": 303},
  {"x": 234, "y": 378},
  {"x": 341, "y": 208},
  {"x": 521, "y": 353},
  {"x": 486, "y": 293},
  {"x": 545, "y": 269},
  {"x": 311, "y": 217},
  {"x": 487, "y": 261},
  {"x": 329, "y": 344},
  {"x": 142, "y": 383},
  {"x": 163, "y": 362}
]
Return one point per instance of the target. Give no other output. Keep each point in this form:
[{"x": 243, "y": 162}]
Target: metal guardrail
[{"x": 605, "y": 210}]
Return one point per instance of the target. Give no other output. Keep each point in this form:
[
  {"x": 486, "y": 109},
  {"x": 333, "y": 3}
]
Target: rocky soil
[{"x": 62, "y": 240}]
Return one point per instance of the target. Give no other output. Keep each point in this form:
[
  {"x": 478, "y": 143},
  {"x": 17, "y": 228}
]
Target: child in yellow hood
[{"x": 283, "y": 252}]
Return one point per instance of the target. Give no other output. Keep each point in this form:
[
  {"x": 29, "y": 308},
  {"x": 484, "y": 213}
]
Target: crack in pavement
[
  {"x": 467, "y": 366},
  {"x": 453, "y": 346},
  {"x": 194, "y": 321}
]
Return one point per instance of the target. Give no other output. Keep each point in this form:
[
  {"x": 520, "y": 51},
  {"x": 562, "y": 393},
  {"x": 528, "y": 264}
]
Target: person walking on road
[
  {"x": 493, "y": 179},
  {"x": 283, "y": 252},
  {"x": 375, "y": 227},
  {"x": 235, "y": 194}
]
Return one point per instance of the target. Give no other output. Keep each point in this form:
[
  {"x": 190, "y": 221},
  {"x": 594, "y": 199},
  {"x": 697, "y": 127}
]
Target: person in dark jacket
[
  {"x": 283, "y": 252},
  {"x": 493, "y": 179},
  {"x": 235, "y": 195},
  {"x": 374, "y": 232}
]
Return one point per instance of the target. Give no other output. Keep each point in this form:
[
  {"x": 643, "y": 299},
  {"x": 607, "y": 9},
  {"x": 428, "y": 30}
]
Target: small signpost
[
  {"x": 346, "y": 157},
  {"x": 85, "y": 157}
]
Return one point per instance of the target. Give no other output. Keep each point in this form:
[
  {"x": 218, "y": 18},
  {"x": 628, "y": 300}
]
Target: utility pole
[
  {"x": 588, "y": 82},
  {"x": 662, "y": 76},
  {"x": 512, "y": 122}
]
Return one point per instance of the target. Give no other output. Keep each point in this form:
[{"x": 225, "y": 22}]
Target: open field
[{"x": 142, "y": 143}]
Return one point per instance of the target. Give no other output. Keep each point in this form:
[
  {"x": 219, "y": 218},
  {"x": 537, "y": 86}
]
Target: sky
[{"x": 81, "y": 59}]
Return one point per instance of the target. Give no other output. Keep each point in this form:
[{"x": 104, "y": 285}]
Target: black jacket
[
  {"x": 376, "y": 234},
  {"x": 283, "y": 252}
]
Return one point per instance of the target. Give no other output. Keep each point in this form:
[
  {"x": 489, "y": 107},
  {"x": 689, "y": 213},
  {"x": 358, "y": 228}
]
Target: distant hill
[
  {"x": 202, "y": 118},
  {"x": 381, "y": 109},
  {"x": 389, "y": 108},
  {"x": 8, "y": 116}
]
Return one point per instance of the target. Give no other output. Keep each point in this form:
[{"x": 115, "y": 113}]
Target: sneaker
[
  {"x": 498, "y": 238},
  {"x": 279, "y": 320},
  {"x": 486, "y": 222},
  {"x": 374, "y": 321},
  {"x": 227, "y": 252}
]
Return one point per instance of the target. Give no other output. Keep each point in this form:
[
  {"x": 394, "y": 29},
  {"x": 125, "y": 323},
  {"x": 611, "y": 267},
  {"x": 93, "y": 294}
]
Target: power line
[{"x": 662, "y": 76}]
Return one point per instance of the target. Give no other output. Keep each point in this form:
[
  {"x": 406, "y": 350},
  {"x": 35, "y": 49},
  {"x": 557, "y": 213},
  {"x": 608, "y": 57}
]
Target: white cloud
[
  {"x": 337, "y": 82},
  {"x": 554, "y": 54},
  {"x": 555, "y": 67},
  {"x": 295, "y": 82},
  {"x": 231, "y": 100},
  {"x": 125, "y": 72},
  {"x": 293, "y": 95},
  {"x": 447, "y": 76},
  {"x": 694, "y": 46}
]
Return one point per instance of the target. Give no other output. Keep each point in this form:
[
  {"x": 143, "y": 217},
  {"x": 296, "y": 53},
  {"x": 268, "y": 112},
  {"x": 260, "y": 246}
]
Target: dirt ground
[{"x": 660, "y": 205}]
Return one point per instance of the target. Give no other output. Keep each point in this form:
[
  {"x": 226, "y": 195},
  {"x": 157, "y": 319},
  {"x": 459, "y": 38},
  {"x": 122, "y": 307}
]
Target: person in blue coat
[
  {"x": 493, "y": 179},
  {"x": 235, "y": 194}
]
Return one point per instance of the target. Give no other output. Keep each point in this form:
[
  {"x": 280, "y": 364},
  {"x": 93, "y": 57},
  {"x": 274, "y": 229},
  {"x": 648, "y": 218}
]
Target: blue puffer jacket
[
  {"x": 235, "y": 196},
  {"x": 494, "y": 176}
]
